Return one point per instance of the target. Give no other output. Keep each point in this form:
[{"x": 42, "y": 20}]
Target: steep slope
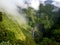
[{"x": 22, "y": 32}]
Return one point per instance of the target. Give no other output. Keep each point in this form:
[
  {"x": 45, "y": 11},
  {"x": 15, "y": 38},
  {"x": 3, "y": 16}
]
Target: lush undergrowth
[{"x": 14, "y": 33}]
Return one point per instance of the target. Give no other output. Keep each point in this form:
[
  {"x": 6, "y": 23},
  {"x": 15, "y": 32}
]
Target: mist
[{"x": 10, "y": 7}]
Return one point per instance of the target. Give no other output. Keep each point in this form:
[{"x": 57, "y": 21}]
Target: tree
[
  {"x": 46, "y": 15},
  {"x": 47, "y": 41},
  {"x": 56, "y": 35},
  {"x": 0, "y": 16}
]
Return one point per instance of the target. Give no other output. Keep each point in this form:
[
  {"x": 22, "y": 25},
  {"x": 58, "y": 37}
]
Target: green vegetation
[
  {"x": 13, "y": 32},
  {"x": 43, "y": 27}
]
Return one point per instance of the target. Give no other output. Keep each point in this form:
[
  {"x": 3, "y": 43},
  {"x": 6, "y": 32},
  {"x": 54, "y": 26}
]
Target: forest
[{"x": 42, "y": 28}]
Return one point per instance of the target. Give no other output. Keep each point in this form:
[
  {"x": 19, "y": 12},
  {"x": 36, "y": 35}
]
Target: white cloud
[
  {"x": 9, "y": 6},
  {"x": 56, "y": 3},
  {"x": 35, "y": 4},
  {"x": 57, "y": 0}
]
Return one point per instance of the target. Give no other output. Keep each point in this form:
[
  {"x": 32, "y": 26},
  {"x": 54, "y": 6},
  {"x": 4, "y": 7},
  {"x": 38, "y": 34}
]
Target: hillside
[{"x": 21, "y": 32}]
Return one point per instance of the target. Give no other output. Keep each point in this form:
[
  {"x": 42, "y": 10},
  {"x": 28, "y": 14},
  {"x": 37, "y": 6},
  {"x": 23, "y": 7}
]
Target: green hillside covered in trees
[{"x": 43, "y": 27}]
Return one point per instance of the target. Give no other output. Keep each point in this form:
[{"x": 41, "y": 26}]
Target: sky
[
  {"x": 33, "y": 3},
  {"x": 12, "y": 3},
  {"x": 55, "y": 2},
  {"x": 10, "y": 6}
]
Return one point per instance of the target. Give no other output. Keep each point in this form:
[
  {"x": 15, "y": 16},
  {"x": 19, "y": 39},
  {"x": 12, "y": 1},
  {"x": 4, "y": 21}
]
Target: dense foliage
[{"x": 43, "y": 27}]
